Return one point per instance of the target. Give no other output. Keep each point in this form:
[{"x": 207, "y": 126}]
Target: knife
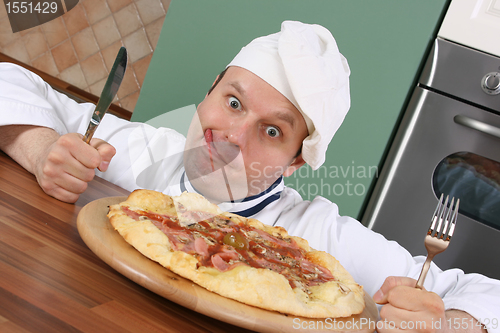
[{"x": 113, "y": 82}]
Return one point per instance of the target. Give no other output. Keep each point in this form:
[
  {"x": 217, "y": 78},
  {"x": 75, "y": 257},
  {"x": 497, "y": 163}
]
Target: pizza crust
[{"x": 259, "y": 287}]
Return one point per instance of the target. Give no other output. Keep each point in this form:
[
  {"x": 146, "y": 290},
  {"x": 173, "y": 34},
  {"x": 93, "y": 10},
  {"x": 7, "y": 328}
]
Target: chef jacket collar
[{"x": 248, "y": 206}]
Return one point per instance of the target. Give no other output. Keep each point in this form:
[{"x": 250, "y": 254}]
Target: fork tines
[{"x": 444, "y": 219}]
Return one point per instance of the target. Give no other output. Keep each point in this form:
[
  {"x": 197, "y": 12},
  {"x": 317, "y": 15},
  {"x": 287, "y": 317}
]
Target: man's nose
[{"x": 238, "y": 132}]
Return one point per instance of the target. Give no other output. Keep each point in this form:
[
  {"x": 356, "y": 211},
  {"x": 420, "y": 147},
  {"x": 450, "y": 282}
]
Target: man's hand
[
  {"x": 410, "y": 309},
  {"x": 66, "y": 166},
  {"x": 63, "y": 165}
]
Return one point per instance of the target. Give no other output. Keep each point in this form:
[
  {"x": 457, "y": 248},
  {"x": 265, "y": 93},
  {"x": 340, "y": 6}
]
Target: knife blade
[{"x": 113, "y": 82}]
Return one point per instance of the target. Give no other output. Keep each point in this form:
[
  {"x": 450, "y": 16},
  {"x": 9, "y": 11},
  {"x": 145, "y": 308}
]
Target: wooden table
[{"x": 51, "y": 282}]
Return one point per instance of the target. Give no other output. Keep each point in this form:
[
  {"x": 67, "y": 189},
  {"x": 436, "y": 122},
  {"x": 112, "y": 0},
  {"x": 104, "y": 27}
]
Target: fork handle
[{"x": 423, "y": 273}]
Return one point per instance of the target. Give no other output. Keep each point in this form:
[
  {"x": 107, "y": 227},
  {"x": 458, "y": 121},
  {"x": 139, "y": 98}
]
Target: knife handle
[{"x": 90, "y": 132}]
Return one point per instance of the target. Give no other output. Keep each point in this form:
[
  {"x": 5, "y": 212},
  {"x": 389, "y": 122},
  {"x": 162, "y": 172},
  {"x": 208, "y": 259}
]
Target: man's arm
[
  {"x": 459, "y": 321},
  {"x": 24, "y": 143},
  {"x": 409, "y": 308},
  {"x": 63, "y": 165}
]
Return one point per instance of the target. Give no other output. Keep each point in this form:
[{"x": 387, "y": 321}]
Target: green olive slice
[{"x": 236, "y": 240}]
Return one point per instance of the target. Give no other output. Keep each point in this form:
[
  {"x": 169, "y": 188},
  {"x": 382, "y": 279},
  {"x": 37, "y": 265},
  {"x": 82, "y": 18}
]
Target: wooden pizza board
[{"x": 107, "y": 244}]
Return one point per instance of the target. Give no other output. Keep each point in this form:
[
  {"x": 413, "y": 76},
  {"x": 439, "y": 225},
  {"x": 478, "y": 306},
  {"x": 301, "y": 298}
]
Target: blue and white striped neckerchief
[{"x": 248, "y": 206}]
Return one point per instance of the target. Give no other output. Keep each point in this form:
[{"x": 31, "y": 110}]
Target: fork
[{"x": 439, "y": 234}]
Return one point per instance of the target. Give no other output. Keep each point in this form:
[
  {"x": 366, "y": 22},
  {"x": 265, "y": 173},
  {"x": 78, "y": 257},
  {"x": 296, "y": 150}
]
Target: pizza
[{"x": 236, "y": 257}]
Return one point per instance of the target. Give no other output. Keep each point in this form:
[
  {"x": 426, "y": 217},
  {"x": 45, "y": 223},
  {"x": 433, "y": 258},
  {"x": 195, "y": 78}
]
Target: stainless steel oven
[{"x": 448, "y": 141}]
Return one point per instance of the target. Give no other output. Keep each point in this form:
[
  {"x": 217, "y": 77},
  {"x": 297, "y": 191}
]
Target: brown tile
[
  {"x": 129, "y": 102},
  {"x": 96, "y": 10},
  {"x": 116, "y": 5},
  {"x": 55, "y": 31},
  {"x": 64, "y": 55},
  {"x": 46, "y": 64},
  {"x": 35, "y": 43},
  {"x": 137, "y": 45},
  {"x": 93, "y": 68},
  {"x": 3, "y": 11},
  {"x": 76, "y": 20},
  {"x": 96, "y": 88},
  {"x": 106, "y": 32},
  {"x": 74, "y": 75},
  {"x": 153, "y": 31},
  {"x": 109, "y": 54},
  {"x": 149, "y": 10},
  {"x": 127, "y": 20},
  {"x": 17, "y": 50},
  {"x": 25, "y": 32},
  {"x": 166, "y": 4},
  {"x": 6, "y": 34},
  {"x": 85, "y": 43},
  {"x": 141, "y": 67},
  {"x": 129, "y": 84}
]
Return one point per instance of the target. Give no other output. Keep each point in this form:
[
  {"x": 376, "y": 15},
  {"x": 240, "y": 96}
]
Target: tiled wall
[{"x": 80, "y": 46}]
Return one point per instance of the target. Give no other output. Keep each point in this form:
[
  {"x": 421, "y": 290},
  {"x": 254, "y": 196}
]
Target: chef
[{"x": 275, "y": 107}]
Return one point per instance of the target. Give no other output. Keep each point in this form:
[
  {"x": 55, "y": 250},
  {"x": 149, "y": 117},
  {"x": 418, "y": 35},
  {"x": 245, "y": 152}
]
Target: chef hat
[{"x": 303, "y": 63}]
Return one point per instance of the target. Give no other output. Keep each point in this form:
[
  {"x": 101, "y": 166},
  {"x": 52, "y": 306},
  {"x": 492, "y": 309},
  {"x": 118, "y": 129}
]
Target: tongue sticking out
[{"x": 209, "y": 139}]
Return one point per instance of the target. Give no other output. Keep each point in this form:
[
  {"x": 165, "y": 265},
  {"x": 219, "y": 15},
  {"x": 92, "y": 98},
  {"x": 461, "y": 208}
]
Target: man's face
[{"x": 244, "y": 136}]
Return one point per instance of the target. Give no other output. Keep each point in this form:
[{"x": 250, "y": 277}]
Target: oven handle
[{"x": 477, "y": 125}]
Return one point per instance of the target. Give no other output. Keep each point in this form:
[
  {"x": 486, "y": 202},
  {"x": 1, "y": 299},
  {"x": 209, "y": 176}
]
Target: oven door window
[{"x": 476, "y": 181}]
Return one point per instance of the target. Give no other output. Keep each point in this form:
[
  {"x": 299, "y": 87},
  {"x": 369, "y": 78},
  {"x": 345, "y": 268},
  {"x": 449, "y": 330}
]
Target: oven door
[{"x": 416, "y": 171}]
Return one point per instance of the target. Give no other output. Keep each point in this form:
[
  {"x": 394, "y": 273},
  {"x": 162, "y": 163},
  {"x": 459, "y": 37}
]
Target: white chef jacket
[{"x": 152, "y": 158}]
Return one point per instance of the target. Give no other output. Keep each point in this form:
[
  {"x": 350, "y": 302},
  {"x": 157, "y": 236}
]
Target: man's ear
[{"x": 296, "y": 163}]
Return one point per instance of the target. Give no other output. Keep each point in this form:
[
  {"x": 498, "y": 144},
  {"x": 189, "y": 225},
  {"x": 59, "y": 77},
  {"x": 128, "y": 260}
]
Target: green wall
[{"x": 384, "y": 41}]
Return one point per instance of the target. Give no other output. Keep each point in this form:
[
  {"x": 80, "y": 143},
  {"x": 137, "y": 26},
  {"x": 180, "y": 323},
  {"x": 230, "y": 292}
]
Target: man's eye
[
  {"x": 272, "y": 131},
  {"x": 234, "y": 103}
]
